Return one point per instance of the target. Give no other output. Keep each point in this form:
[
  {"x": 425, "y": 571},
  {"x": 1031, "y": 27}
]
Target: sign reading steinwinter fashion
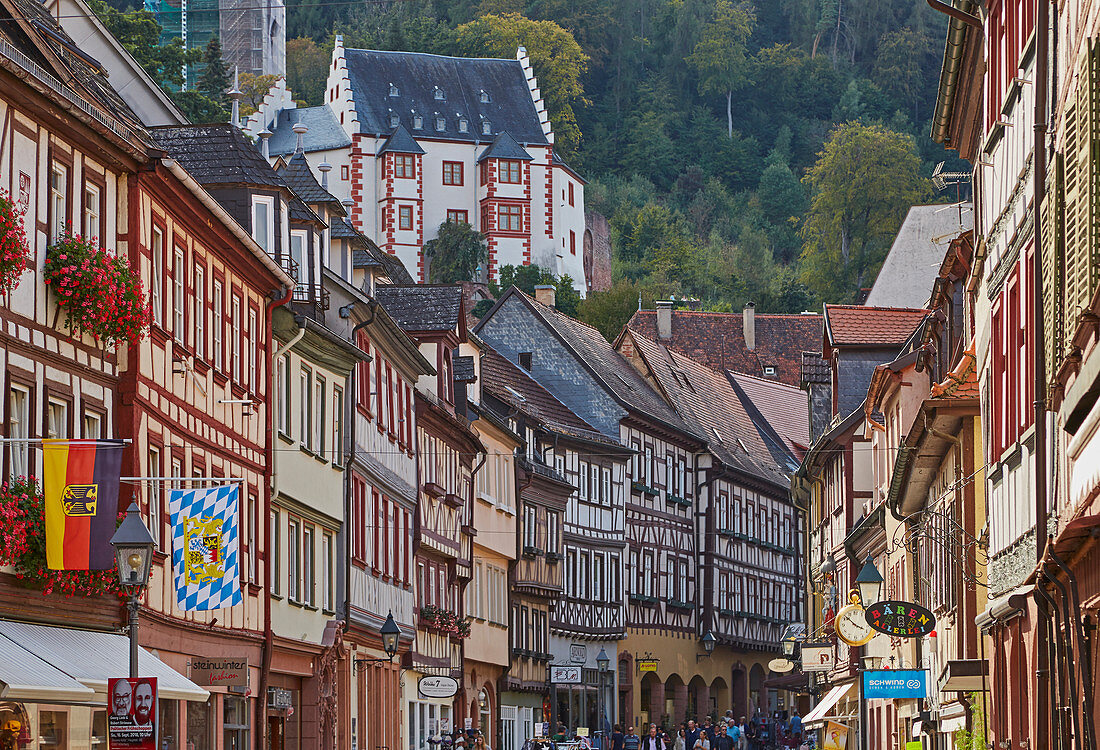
[
  {"x": 562, "y": 674},
  {"x": 895, "y": 683},
  {"x": 900, "y": 619},
  {"x": 227, "y": 671},
  {"x": 132, "y": 718},
  {"x": 437, "y": 686}
]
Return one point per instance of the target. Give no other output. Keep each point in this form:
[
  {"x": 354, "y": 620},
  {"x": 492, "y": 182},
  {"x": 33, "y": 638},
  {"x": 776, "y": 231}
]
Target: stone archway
[
  {"x": 739, "y": 687},
  {"x": 719, "y": 697},
  {"x": 651, "y": 693},
  {"x": 698, "y": 706},
  {"x": 757, "y": 697},
  {"x": 676, "y": 701}
]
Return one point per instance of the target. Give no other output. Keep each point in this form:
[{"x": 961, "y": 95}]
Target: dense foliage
[
  {"x": 700, "y": 123},
  {"x": 15, "y": 251}
]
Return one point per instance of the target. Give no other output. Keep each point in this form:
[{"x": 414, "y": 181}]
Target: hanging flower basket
[
  {"x": 23, "y": 546},
  {"x": 99, "y": 292},
  {"x": 14, "y": 249}
]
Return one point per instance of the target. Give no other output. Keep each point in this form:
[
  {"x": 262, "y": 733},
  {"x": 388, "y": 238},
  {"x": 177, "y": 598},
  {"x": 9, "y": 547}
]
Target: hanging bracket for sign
[{"x": 900, "y": 619}]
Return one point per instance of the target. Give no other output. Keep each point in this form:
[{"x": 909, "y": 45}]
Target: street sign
[
  {"x": 578, "y": 653},
  {"x": 565, "y": 674},
  {"x": 900, "y": 619},
  {"x": 895, "y": 683},
  {"x": 780, "y": 665},
  {"x": 817, "y": 657},
  {"x": 226, "y": 671}
]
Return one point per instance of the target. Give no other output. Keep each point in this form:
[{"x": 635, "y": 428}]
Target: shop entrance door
[{"x": 274, "y": 733}]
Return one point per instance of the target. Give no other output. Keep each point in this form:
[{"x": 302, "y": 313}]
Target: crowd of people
[{"x": 758, "y": 732}]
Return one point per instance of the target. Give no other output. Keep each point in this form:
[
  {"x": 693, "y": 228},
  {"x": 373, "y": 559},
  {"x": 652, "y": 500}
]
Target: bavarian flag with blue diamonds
[
  {"x": 205, "y": 547},
  {"x": 80, "y": 494}
]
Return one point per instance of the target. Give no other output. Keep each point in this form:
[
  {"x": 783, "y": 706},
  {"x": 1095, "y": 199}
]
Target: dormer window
[
  {"x": 439, "y": 95},
  {"x": 463, "y": 125},
  {"x": 418, "y": 122},
  {"x": 440, "y": 124},
  {"x": 394, "y": 90},
  {"x": 769, "y": 371},
  {"x": 525, "y": 360},
  {"x": 486, "y": 128},
  {"x": 394, "y": 120},
  {"x": 484, "y": 96}
]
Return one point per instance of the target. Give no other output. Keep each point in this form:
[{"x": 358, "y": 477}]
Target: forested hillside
[{"x": 699, "y": 123}]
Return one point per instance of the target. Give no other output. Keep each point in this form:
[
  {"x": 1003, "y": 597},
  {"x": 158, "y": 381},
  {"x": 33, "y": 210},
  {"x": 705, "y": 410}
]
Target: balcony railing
[
  {"x": 289, "y": 265},
  {"x": 312, "y": 296}
]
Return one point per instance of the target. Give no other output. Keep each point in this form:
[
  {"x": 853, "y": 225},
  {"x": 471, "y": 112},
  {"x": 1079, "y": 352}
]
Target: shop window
[
  {"x": 200, "y": 724},
  {"x": 235, "y": 723},
  {"x": 53, "y": 729}
]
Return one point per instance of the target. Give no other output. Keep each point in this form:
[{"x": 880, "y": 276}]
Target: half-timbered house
[
  {"x": 70, "y": 150},
  {"x": 448, "y": 453},
  {"x": 747, "y": 526},
  {"x": 571, "y": 550},
  {"x": 577, "y": 365}
]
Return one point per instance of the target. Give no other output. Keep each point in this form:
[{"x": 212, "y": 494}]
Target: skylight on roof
[
  {"x": 418, "y": 122},
  {"x": 742, "y": 444},
  {"x": 463, "y": 125},
  {"x": 484, "y": 96},
  {"x": 439, "y": 95},
  {"x": 486, "y": 128},
  {"x": 394, "y": 90},
  {"x": 440, "y": 123},
  {"x": 395, "y": 120}
]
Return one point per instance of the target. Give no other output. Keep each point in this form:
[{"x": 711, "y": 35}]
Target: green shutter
[{"x": 1053, "y": 257}]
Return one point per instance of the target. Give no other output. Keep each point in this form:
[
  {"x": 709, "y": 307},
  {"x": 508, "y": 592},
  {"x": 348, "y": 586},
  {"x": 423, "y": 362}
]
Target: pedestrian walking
[
  {"x": 617, "y": 738},
  {"x": 678, "y": 743},
  {"x": 631, "y": 741},
  {"x": 653, "y": 741}
]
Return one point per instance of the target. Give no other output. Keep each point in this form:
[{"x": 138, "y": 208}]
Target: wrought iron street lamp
[
  {"x": 390, "y": 633},
  {"x": 603, "y": 663},
  {"x": 869, "y": 583},
  {"x": 134, "y": 555}
]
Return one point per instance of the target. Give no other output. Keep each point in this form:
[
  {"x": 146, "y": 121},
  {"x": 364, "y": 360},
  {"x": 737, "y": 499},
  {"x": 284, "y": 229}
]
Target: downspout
[
  {"x": 1050, "y": 625},
  {"x": 269, "y": 471},
  {"x": 1042, "y": 667},
  {"x": 1084, "y": 655},
  {"x": 1066, "y": 645},
  {"x": 352, "y": 393},
  {"x": 709, "y": 535}
]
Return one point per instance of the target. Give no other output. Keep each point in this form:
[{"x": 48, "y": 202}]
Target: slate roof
[
  {"x": 856, "y": 325},
  {"x": 708, "y": 401},
  {"x": 395, "y": 269},
  {"x": 510, "y": 384},
  {"x": 504, "y": 146},
  {"x": 299, "y": 211},
  {"x": 911, "y": 266},
  {"x": 422, "y": 307},
  {"x": 416, "y": 76},
  {"x": 217, "y": 155},
  {"x": 325, "y": 131},
  {"x": 401, "y": 142},
  {"x": 785, "y": 408},
  {"x": 717, "y": 340},
  {"x": 815, "y": 369},
  {"x": 299, "y": 177},
  {"x": 615, "y": 372}
]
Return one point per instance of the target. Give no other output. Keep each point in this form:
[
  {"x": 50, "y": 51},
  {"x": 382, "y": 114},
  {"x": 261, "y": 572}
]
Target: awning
[
  {"x": 35, "y": 658},
  {"x": 817, "y": 715},
  {"x": 1004, "y": 606},
  {"x": 952, "y": 725}
]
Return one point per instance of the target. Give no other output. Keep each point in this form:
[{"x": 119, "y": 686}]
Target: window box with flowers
[
  {"x": 15, "y": 252},
  {"x": 23, "y": 546},
  {"x": 99, "y": 292}
]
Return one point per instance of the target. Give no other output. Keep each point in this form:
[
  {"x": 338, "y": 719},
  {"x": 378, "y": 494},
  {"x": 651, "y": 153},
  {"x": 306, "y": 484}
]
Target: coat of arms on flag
[
  {"x": 80, "y": 490},
  {"x": 205, "y": 542}
]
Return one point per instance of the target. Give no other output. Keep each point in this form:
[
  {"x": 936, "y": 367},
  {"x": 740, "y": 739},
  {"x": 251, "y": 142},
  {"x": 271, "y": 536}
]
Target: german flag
[{"x": 80, "y": 484}]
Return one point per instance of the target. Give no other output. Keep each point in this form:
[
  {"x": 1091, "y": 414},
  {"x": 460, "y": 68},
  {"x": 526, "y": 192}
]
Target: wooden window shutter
[
  {"x": 1053, "y": 257},
  {"x": 1081, "y": 194}
]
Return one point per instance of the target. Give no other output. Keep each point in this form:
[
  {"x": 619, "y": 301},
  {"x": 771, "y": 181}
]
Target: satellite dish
[{"x": 780, "y": 665}]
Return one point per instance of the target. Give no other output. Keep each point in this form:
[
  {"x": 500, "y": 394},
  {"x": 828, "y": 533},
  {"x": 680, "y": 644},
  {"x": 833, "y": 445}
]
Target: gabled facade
[{"x": 416, "y": 140}]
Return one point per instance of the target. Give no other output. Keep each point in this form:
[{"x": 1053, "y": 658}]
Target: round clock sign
[{"x": 901, "y": 619}]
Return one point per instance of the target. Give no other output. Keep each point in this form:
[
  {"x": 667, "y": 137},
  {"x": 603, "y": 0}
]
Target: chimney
[
  {"x": 749, "y": 322},
  {"x": 546, "y": 294},
  {"x": 664, "y": 318}
]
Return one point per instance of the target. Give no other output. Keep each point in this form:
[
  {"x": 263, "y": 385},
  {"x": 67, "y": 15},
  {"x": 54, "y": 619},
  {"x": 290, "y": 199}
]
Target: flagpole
[
  {"x": 181, "y": 479},
  {"x": 56, "y": 441}
]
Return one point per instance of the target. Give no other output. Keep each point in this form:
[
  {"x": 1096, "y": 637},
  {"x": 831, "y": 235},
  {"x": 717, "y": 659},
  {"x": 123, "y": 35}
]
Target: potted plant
[{"x": 14, "y": 249}]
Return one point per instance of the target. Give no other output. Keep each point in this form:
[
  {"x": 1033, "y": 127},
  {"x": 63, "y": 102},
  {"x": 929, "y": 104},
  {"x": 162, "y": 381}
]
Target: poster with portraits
[{"x": 132, "y": 713}]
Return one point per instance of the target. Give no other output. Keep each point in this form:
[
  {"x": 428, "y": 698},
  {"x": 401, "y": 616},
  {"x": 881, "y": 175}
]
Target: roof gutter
[
  {"x": 225, "y": 218},
  {"x": 957, "y": 30}
]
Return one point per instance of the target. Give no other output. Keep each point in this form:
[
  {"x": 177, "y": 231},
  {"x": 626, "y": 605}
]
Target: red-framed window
[
  {"x": 510, "y": 171},
  {"x": 453, "y": 173},
  {"x": 379, "y": 418},
  {"x": 570, "y": 193},
  {"x": 404, "y": 217},
  {"x": 484, "y": 170},
  {"x": 400, "y": 414},
  {"x": 362, "y": 376},
  {"x": 359, "y": 519},
  {"x": 572, "y": 242},
  {"x": 486, "y": 219},
  {"x": 377, "y": 502},
  {"x": 389, "y": 399},
  {"x": 510, "y": 217},
  {"x": 404, "y": 166},
  {"x": 1011, "y": 356},
  {"x": 458, "y": 216}
]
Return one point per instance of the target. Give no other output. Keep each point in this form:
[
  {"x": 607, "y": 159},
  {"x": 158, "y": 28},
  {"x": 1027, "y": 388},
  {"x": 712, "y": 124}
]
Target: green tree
[
  {"x": 254, "y": 88},
  {"x": 456, "y": 254},
  {"x": 199, "y": 108},
  {"x": 864, "y": 181},
  {"x": 214, "y": 81},
  {"x": 307, "y": 69},
  {"x": 901, "y": 66},
  {"x": 721, "y": 58},
  {"x": 609, "y": 311},
  {"x": 558, "y": 61},
  {"x": 139, "y": 33}
]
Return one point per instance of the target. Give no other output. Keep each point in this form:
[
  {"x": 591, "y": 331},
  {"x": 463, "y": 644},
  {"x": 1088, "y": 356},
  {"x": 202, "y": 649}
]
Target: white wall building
[{"x": 415, "y": 140}]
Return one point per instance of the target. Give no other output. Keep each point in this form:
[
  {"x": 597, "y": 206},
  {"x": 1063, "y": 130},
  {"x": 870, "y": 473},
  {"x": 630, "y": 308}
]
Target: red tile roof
[
  {"x": 857, "y": 325},
  {"x": 717, "y": 340},
  {"x": 962, "y": 382}
]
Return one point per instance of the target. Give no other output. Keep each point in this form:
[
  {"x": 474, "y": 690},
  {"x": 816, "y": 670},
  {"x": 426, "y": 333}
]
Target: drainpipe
[
  {"x": 1084, "y": 655},
  {"x": 1066, "y": 646},
  {"x": 269, "y": 472},
  {"x": 709, "y": 537},
  {"x": 1042, "y": 667},
  {"x": 955, "y": 13},
  {"x": 1050, "y": 648}
]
